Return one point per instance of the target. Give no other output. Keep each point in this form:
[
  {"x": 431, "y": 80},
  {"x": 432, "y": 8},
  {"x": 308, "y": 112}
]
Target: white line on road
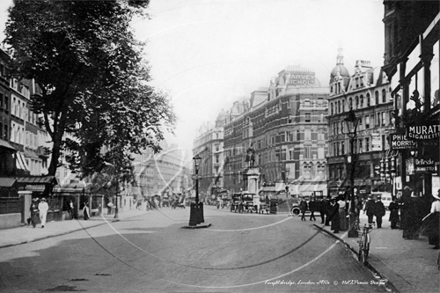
[{"x": 248, "y": 229}]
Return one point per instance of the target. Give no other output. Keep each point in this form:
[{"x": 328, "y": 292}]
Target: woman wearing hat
[
  {"x": 433, "y": 222},
  {"x": 34, "y": 211},
  {"x": 43, "y": 207}
]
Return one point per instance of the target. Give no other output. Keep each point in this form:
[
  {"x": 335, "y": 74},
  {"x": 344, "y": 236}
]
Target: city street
[{"x": 152, "y": 253}]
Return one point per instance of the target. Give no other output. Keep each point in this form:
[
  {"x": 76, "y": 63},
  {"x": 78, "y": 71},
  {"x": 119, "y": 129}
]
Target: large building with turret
[
  {"x": 285, "y": 126},
  {"x": 359, "y": 157}
]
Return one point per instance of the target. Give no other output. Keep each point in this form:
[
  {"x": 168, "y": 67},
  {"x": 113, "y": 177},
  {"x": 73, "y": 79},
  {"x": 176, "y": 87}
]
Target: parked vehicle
[
  {"x": 243, "y": 202},
  {"x": 236, "y": 203},
  {"x": 295, "y": 210}
]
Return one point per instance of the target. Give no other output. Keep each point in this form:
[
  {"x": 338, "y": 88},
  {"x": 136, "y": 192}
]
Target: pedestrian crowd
[{"x": 412, "y": 214}]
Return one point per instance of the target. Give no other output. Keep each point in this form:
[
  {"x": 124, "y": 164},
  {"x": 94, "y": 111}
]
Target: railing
[{"x": 10, "y": 205}]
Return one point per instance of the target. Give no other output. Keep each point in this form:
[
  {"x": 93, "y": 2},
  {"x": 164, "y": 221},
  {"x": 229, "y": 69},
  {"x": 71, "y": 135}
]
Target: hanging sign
[
  {"x": 423, "y": 132},
  {"x": 424, "y": 165},
  {"x": 401, "y": 142},
  {"x": 376, "y": 142}
]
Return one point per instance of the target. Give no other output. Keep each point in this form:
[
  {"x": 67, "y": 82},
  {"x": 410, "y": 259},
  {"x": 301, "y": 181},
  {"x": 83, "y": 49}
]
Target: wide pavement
[{"x": 409, "y": 265}]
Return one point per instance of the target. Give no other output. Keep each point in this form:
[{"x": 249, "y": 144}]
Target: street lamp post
[
  {"x": 351, "y": 122},
  {"x": 196, "y": 212},
  {"x": 117, "y": 196}
]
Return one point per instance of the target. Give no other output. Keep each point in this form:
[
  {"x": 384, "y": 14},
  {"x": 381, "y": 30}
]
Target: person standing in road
[
  {"x": 379, "y": 211},
  {"x": 34, "y": 211},
  {"x": 394, "y": 213},
  {"x": 369, "y": 209},
  {"x": 303, "y": 209},
  {"x": 312, "y": 207},
  {"x": 43, "y": 207}
]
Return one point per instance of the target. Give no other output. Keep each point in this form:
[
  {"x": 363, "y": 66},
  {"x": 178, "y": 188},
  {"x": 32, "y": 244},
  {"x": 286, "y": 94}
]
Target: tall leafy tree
[{"x": 94, "y": 82}]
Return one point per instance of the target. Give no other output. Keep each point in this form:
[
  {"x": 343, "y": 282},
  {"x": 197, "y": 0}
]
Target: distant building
[
  {"x": 164, "y": 174},
  {"x": 208, "y": 144}
]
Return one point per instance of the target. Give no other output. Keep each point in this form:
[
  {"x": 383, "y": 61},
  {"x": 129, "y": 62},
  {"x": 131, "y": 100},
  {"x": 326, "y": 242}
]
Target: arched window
[
  {"x": 362, "y": 101},
  {"x": 350, "y": 103},
  {"x": 343, "y": 106},
  {"x": 357, "y": 102},
  {"x": 368, "y": 100},
  {"x": 331, "y": 109},
  {"x": 376, "y": 95},
  {"x": 339, "y": 107},
  {"x": 384, "y": 96}
]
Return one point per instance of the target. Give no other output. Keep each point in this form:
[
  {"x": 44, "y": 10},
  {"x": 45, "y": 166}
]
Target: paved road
[{"x": 152, "y": 253}]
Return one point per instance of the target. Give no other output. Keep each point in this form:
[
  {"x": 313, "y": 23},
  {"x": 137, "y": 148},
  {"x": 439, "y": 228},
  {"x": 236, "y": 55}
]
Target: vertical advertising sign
[{"x": 376, "y": 142}]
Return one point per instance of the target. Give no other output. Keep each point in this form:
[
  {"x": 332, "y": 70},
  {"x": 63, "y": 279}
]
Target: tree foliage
[{"x": 94, "y": 82}]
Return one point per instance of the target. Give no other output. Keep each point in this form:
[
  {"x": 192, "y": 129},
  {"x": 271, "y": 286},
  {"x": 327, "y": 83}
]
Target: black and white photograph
[{"x": 177, "y": 146}]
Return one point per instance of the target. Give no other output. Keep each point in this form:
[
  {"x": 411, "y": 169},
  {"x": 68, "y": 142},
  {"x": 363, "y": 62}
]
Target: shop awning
[
  {"x": 71, "y": 187},
  {"x": 5, "y": 144},
  {"x": 37, "y": 180},
  {"x": 7, "y": 182},
  {"x": 31, "y": 155}
]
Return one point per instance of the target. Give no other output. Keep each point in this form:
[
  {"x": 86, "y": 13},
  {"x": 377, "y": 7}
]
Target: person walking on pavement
[
  {"x": 433, "y": 222},
  {"x": 71, "y": 210},
  {"x": 411, "y": 215},
  {"x": 303, "y": 209},
  {"x": 403, "y": 204},
  {"x": 379, "y": 211},
  {"x": 312, "y": 208},
  {"x": 43, "y": 207},
  {"x": 34, "y": 211},
  {"x": 342, "y": 213},
  {"x": 86, "y": 213},
  {"x": 369, "y": 209},
  {"x": 357, "y": 208},
  {"x": 394, "y": 213},
  {"x": 334, "y": 215},
  {"x": 325, "y": 205}
]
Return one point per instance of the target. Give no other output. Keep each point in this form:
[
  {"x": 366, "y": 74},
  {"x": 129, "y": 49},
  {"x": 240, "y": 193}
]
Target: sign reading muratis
[
  {"x": 401, "y": 142},
  {"x": 423, "y": 132}
]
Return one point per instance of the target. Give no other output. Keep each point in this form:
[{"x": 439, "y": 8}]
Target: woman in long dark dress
[
  {"x": 86, "y": 212},
  {"x": 334, "y": 216},
  {"x": 394, "y": 213}
]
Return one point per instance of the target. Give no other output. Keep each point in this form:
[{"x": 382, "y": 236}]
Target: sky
[{"x": 206, "y": 54}]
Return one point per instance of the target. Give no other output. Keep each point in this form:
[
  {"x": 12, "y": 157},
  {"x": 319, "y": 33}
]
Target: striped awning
[{"x": 21, "y": 161}]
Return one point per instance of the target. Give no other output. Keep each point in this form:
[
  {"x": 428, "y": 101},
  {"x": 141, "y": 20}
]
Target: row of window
[
  {"x": 291, "y": 136},
  {"x": 366, "y": 122},
  {"x": 360, "y": 145},
  {"x": 358, "y": 102}
]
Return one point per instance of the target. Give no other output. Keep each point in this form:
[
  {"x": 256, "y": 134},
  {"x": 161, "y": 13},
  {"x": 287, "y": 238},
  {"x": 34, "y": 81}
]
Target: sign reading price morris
[{"x": 423, "y": 132}]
